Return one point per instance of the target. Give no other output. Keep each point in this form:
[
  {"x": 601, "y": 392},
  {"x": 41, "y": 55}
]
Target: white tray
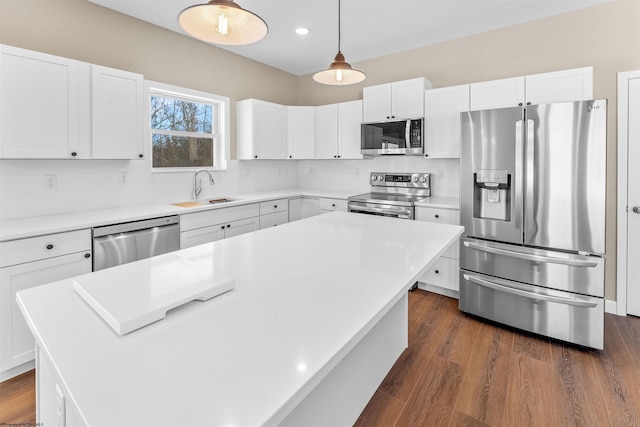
[{"x": 153, "y": 289}]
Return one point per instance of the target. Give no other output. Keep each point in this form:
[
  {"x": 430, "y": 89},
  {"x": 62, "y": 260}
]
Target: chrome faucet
[{"x": 197, "y": 183}]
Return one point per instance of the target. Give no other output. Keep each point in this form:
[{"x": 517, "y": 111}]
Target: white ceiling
[{"x": 370, "y": 28}]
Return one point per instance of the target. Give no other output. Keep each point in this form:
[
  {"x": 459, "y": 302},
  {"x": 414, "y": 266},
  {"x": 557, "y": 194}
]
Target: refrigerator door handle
[
  {"x": 529, "y": 221},
  {"x": 531, "y": 295},
  {"x": 531, "y": 257},
  {"x": 518, "y": 176}
]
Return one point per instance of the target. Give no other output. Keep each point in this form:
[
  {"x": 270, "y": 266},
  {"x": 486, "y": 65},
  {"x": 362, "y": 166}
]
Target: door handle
[
  {"x": 636, "y": 209},
  {"x": 531, "y": 257},
  {"x": 531, "y": 295}
]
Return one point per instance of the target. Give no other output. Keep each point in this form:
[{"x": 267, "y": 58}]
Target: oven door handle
[
  {"x": 531, "y": 257},
  {"x": 401, "y": 214},
  {"x": 531, "y": 295}
]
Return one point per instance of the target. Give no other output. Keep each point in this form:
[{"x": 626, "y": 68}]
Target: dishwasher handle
[{"x": 127, "y": 227}]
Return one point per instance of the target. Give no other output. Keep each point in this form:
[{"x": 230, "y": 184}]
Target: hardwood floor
[{"x": 461, "y": 371}]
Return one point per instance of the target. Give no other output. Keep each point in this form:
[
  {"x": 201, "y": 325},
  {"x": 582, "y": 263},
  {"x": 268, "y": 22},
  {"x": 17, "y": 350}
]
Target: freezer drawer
[
  {"x": 558, "y": 270},
  {"x": 562, "y": 315}
]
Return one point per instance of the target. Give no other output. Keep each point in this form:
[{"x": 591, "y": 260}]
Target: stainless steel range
[{"x": 392, "y": 194}]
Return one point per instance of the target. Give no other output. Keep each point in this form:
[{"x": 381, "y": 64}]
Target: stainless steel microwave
[{"x": 395, "y": 137}]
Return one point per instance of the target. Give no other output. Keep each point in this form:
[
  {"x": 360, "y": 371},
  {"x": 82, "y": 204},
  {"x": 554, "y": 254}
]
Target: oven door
[{"x": 382, "y": 209}]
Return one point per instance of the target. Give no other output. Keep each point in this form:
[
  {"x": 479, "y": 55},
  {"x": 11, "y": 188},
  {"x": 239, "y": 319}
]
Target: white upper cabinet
[
  {"x": 59, "y": 108},
  {"x": 349, "y": 125},
  {"x": 397, "y": 100},
  {"x": 442, "y": 108},
  {"x": 261, "y": 130},
  {"x": 116, "y": 114},
  {"x": 497, "y": 94},
  {"x": 38, "y": 105},
  {"x": 327, "y": 132},
  {"x": 301, "y": 124},
  {"x": 338, "y": 130},
  {"x": 558, "y": 86}
]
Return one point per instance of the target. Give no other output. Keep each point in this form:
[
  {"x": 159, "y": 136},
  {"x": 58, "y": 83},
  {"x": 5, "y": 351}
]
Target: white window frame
[{"x": 220, "y": 141}]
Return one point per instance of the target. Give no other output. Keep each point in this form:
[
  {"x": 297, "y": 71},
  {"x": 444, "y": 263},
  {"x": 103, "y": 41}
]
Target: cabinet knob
[
  {"x": 388, "y": 117},
  {"x": 290, "y": 157},
  {"x": 228, "y": 225},
  {"x": 49, "y": 246},
  {"x": 255, "y": 157},
  {"x": 437, "y": 216},
  {"x": 528, "y": 103},
  {"x": 520, "y": 104},
  {"x": 141, "y": 155},
  {"x": 338, "y": 155},
  {"x": 87, "y": 255},
  {"x": 437, "y": 271},
  {"x": 222, "y": 227},
  {"x": 275, "y": 206},
  {"x": 73, "y": 153},
  {"x": 333, "y": 205}
]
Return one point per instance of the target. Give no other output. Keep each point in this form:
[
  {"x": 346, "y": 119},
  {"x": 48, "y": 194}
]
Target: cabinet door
[
  {"x": 442, "y": 108},
  {"x": 444, "y": 216},
  {"x": 16, "y": 342},
  {"x": 116, "y": 114},
  {"x": 497, "y": 94},
  {"x": 200, "y": 236},
  {"x": 235, "y": 228},
  {"x": 38, "y": 106},
  {"x": 301, "y": 125},
  {"x": 303, "y": 207},
  {"x": 330, "y": 205},
  {"x": 377, "y": 103},
  {"x": 327, "y": 132},
  {"x": 349, "y": 129},
  {"x": 273, "y": 219},
  {"x": 269, "y": 130},
  {"x": 560, "y": 86},
  {"x": 407, "y": 98}
]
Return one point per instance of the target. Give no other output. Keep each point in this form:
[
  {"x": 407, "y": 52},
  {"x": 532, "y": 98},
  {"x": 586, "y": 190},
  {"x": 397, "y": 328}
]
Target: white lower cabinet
[
  {"x": 27, "y": 263},
  {"x": 303, "y": 207},
  {"x": 208, "y": 226},
  {"x": 274, "y": 212},
  {"x": 442, "y": 277},
  {"x": 330, "y": 205}
]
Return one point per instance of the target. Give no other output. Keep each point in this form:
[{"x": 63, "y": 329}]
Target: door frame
[{"x": 623, "y": 144}]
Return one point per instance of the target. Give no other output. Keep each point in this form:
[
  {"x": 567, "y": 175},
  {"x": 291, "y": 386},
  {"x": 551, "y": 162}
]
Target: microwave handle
[{"x": 407, "y": 134}]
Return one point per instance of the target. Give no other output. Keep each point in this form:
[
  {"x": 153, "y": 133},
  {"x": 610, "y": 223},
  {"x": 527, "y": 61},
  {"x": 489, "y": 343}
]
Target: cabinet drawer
[
  {"x": 272, "y": 206},
  {"x": 333, "y": 205},
  {"x": 208, "y": 218},
  {"x": 275, "y": 218},
  {"x": 445, "y": 216},
  {"x": 200, "y": 236},
  {"x": 42, "y": 247},
  {"x": 443, "y": 273}
]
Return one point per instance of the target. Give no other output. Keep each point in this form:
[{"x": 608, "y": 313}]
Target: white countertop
[
  {"x": 306, "y": 292},
  {"x": 42, "y": 225}
]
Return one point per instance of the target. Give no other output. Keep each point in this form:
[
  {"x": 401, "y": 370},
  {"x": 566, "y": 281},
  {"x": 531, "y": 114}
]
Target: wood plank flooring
[{"x": 461, "y": 371}]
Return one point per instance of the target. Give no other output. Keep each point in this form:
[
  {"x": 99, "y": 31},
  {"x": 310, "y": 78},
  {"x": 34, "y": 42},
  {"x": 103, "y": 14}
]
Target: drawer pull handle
[
  {"x": 87, "y": 255},
  {"x": 49, "y": 246}
]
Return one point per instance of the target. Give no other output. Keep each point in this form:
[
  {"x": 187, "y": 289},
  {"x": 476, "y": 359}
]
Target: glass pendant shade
[
  {"x": 222, "y": 22},
  {"x": 339, "y": 73}
]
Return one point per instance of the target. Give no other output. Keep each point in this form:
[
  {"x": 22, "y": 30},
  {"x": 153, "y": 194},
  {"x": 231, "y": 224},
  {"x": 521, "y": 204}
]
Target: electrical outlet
[
  {"x": 357, "y": 171},
  {"x": 312, "y": 170},
  {"x": 50, "y": 182},
  {"x": 440, "y": 173},
  {"x": 123, "y": 178}
]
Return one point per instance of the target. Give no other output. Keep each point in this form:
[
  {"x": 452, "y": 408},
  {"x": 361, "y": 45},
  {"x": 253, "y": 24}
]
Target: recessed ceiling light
[{"x": 302, "y": 31}]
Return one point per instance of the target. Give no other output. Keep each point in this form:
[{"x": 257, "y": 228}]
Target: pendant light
[
  {"x": 222, "y": 22},
  {"x": 340, "y": 71}
]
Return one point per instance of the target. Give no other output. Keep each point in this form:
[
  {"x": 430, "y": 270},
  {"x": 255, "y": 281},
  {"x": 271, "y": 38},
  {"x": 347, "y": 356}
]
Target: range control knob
[
  {"x": 414, "y": 178},
  {"x": 423, "y": 179},
  {"x": 381, "y": 177},
  {"x": 374, "y": 177}
]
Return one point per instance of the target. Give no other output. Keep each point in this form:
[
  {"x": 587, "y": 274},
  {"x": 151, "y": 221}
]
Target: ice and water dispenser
[{"x": 492, "y": 194}]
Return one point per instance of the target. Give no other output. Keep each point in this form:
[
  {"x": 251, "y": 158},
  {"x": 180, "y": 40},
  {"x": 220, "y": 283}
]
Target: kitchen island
[{"x": 317, "y": 318}]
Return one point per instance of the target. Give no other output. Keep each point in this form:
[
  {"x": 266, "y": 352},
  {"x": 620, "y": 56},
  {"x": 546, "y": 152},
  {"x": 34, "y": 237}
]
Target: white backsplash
[
  {"x": 354, "y": 174},
  {"x": 102, "y": 184}
]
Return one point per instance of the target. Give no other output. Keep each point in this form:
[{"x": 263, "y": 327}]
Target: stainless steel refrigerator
[{"x": 532, "y": 199}]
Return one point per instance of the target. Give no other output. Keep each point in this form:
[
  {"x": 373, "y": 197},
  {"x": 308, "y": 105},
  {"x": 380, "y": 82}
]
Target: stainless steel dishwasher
[{"x": 131, "y": 241}]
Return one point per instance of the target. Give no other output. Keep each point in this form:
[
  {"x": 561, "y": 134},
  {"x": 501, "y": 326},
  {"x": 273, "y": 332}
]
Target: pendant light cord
[{"x": 338, "y": 25}]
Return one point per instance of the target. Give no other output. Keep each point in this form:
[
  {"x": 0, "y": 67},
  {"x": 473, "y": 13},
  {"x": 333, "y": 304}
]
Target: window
[{"x": 187, "y": 128}]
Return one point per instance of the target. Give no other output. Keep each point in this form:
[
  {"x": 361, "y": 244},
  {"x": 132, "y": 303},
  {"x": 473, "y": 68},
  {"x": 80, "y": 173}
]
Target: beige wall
[{"x": 605, "y": 36}]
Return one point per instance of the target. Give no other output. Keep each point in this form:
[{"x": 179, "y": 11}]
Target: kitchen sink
[{"x": 206, "y": 202}]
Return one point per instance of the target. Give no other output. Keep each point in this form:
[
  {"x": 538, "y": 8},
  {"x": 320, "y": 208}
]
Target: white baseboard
[
  {"x": 610, "y": 306},
  {"x": 438, "y": 290},
  {"x": 14, "y": 372}
]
